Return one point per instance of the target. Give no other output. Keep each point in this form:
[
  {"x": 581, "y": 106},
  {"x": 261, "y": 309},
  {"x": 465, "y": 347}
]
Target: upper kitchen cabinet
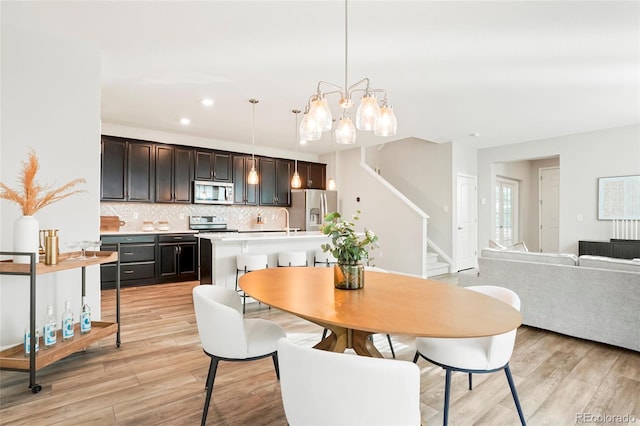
[
  {"x": 312, "y": 175},
  {"x": 127, "y": 170},
  {"x": 275, "y": 179},
  {"x": 243, "y": 193},
  {"x": 174, "y": 171},
  {"x": 213, "y": 165}
]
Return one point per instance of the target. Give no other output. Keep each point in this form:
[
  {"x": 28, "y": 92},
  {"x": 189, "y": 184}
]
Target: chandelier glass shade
[{"x": 370, "y": 115}]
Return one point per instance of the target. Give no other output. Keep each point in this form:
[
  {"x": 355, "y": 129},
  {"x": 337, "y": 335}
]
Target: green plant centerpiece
[{"x": 349, "y": 248}]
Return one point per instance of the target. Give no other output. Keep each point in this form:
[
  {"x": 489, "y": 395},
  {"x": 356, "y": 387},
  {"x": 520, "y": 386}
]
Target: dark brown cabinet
[
  {"x": 243, "y": 193},
  {"x": 127, "y": 170},
  {"x": 137, "y": 260},
  {"x": 312, "y": 175},
  {"x": 174, "y": 169},
  {"x": 275, "y": 182},
  {"x": 177, "y": 257},
  {"x": 213, "y": 165}
]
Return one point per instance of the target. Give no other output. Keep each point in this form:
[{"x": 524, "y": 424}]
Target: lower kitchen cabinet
[
  {"x": 137, "y": 264},
  {"x": 150, "y": 259},
  {"x": 177, "y": 257}
]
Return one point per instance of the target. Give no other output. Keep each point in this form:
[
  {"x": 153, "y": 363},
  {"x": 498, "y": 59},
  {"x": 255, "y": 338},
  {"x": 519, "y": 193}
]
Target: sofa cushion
[
  {"x": 552, "y": 258},
  {"x": 603, "y": 262}
]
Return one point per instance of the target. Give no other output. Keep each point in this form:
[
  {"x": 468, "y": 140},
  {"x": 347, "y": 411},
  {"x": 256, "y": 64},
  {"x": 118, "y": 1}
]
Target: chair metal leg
[
  {"x": 470, "y": 382},
  {"x": 514, "y": 393},
  {"x": 391, "y": 346},
  {"x": 447, "y": 392},
  {"x": 211, "y": 376},
  {"x": 276, "y": 365},
  {"x": 415, "y": 357}
]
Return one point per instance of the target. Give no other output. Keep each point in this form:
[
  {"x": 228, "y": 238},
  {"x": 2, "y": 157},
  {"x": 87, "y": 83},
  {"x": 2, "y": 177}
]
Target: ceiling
[{"x": 508, "y": 71}]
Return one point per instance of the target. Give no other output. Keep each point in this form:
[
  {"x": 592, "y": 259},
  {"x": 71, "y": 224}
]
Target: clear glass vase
[{"x": 348, "y": 277}]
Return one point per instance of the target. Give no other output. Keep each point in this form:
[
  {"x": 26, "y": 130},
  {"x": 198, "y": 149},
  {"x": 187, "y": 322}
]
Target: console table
[{"x": 621, "y": 249}]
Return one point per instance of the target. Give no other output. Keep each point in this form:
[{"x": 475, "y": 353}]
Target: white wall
[
  {"x": 51, "y": 103},
  {"x": 397, "y": 225},
  {"x": 583, "y": 158},
  {"x": 421, "y": 170}
]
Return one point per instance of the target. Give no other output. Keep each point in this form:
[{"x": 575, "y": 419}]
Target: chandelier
[{"x": 370, "y": 116}]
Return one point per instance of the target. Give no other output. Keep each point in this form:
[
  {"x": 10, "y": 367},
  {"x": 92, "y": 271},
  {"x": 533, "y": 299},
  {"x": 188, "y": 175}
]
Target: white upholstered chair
[
  {"x": 324, "y": 258},
  {"x": 328, "y": 388},
  {"x": 247, "y": 263},
  {"x": 226, "y": 336},
  {"x": 474, "y": 355},
  {"x": 292, "y": 258}
]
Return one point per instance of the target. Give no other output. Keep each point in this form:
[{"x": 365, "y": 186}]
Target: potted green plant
[{"x": 351, "y": 249}]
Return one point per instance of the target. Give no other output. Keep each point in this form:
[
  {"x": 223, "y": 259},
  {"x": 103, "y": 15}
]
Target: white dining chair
[
  {"x": 328, "y": 388},
  {"x": 473, "y": 355},
  {"x": 226, "y": 336},
  {"x": 324, "y": 258},
  {"x": 247, "y": 263},
  {"x": 292, "y": 258}
]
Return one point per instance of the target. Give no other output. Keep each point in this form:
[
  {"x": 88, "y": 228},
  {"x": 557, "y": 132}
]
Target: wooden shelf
[
  {"x": 14, "y": 358},
  {"x": 65, "y": 261}
]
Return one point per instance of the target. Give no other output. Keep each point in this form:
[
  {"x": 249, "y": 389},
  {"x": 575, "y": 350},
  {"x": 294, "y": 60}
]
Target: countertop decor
[
  {"x": 347, "y": 247},
  {"x": 31, "y": 198}
]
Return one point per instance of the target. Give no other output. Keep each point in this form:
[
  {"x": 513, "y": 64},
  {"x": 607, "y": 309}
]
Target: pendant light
[
  {"x": 252, "y": 179},
  {"x": 331, "y": 183},
  {"x": 296, "y": 182}
]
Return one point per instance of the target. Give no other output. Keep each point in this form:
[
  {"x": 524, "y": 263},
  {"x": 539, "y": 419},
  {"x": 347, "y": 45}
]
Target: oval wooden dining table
[{"x": 389, "y": 303}]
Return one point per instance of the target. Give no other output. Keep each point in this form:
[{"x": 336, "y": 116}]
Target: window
[{"x": 506, "y": 225}]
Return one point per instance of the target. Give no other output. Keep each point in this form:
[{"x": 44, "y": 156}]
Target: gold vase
[{"x": 348, "y": 277}]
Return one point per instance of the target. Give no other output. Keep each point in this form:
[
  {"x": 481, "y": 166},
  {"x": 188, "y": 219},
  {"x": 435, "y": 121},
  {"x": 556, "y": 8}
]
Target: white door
[
  {"x": 467, "y": 230},
  {"x": 549, "y": 209},
  {"x": 506, "y": 232}
]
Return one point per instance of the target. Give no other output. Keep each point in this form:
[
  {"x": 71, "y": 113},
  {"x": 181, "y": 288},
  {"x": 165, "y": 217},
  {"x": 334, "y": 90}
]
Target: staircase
[{"x": 434, "y": 266}]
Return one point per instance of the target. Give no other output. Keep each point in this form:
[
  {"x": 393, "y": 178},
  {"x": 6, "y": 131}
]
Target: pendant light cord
[{"x": 346, "y": 48}]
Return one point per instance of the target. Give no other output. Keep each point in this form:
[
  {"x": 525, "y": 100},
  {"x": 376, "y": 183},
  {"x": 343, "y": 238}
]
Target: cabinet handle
[
  {"x": 177, "y": 238},
  {"x": 128, "y": 253},
  {"x": 128, "y": 271}
]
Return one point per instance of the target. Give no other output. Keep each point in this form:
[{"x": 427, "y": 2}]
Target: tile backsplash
[{"x": 238, "y": 217}]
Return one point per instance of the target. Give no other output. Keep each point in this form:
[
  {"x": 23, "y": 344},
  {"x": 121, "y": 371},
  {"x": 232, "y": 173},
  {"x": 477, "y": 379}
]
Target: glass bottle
[
  {"x": 27, "y": 341},
  {"x": 85, "y": 317},
  {"x": 50, "y": 337},
  {"x": 67, "y": 322}
]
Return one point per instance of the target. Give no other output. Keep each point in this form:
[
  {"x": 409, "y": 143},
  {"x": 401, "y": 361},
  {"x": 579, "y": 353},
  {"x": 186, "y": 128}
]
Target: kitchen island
[{"x": 218, "y": 251}]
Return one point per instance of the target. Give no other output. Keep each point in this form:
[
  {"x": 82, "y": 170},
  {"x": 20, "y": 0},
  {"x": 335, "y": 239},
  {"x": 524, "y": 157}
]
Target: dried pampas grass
[{"x": 33, "y": 196}]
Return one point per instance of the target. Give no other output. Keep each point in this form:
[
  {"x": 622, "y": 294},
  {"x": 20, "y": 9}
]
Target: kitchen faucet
[{"x": 286, "y": 212}]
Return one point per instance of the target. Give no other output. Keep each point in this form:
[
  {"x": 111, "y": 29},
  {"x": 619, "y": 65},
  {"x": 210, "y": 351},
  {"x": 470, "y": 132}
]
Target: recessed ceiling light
[
  {"x": 185, "y": 121},
  {"x": 207, "y": 102}
]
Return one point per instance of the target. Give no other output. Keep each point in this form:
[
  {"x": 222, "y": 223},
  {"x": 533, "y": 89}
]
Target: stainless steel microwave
[{"x": 205, "y": 192}]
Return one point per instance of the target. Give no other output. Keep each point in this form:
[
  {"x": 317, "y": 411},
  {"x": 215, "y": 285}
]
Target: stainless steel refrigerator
[{"x": 310, "y": 206}]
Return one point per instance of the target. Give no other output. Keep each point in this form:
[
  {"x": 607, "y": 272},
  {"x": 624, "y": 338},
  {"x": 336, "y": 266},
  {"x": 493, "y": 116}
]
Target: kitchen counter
[
  {"x": 279, "y": 235},
  {"x": 186, "y": 231},
  {"x": 218, "y": 251}
]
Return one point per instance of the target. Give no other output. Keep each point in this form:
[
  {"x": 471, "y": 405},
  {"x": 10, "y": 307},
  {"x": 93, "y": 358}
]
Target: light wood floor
[{"x": 157, "y": 376}]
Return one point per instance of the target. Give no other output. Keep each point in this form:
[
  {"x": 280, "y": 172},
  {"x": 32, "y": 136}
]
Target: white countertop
[
  {"x": 261, "y": 236},
  {"x": 187, "y": 231}
]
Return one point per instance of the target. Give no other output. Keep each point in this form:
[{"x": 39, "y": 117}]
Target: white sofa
[{"x": 590, "y": 297}]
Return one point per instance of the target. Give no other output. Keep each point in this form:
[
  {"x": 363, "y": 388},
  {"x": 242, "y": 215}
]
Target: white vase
[{"x": 26, "y": 238}]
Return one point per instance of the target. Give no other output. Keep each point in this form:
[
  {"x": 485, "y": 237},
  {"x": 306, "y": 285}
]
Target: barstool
[
  {"x": 247, "y": 263},
  {"x": 292, "y": 258},
  {"x": 324, "y": 258}
]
